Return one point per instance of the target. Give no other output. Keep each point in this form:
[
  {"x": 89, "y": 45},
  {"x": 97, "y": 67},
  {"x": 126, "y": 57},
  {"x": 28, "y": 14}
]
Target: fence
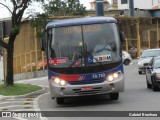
[
  {"x": 141, "y": 33},
  {"x": 27, "y": 62},
  {"x": 27, "y": 54}
]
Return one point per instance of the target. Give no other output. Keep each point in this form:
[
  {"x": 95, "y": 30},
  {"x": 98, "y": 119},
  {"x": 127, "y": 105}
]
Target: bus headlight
[
  {"x": 110, "y": 78},
  {"x": 63, "y": 83},
  {"x": 113, "y": 76},
  {"x": 59, "y": 81},
  {"x": 158, "y": 75}
]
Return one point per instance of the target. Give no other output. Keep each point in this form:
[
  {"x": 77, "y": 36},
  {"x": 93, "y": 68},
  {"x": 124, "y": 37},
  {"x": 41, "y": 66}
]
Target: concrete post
[
  {"x": 131, "y": 7},
  {"x": 99, "y": 8},
  {"x": 138, "y": 40}
]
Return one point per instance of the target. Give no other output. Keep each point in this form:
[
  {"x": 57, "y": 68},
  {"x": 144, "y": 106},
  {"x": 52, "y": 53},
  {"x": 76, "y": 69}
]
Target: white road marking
[{"x": 36, "y": 107}]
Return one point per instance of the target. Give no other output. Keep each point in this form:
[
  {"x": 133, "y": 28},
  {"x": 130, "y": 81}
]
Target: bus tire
[
  {"x": 60, "y": 100},
  {"x": 154, "y": 86},
  {"x": 114, "y": 96},
  {"x": 148, "y": 85},
  {"x": 126, "y": 62}
]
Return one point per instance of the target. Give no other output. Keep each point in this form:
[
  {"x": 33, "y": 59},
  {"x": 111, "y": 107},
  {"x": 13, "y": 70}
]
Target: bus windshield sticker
[
  {"x": 90, "y": 60},
  {"x": 102, "y": 58},
  {"x": 58, "y": 60}
]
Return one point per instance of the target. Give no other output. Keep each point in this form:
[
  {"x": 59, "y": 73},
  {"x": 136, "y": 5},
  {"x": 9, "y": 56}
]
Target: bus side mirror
[
  {"x": 122, "y": 37},
  {"x": 42, "y": 44}
]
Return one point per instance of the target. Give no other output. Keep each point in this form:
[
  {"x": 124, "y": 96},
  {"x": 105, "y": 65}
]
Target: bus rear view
[{"x": 84, "y": 58}]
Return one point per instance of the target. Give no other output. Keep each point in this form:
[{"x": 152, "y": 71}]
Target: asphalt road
[{"x": 135, "y": 98}]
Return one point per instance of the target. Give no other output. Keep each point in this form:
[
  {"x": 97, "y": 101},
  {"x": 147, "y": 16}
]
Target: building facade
[
  {"x": 140, "y": 4},
  {"x": 105, "y": 4},
  {"x": 114, "y": 4}
]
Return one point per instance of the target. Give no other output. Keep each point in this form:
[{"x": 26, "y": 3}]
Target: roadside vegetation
[{"x": 18, "y": 89}]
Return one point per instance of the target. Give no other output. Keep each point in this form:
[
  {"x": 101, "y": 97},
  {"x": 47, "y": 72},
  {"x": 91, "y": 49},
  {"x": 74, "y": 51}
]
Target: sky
[
  {"x": 86, "y": 3},
  {"x": 5, "y": 14}
]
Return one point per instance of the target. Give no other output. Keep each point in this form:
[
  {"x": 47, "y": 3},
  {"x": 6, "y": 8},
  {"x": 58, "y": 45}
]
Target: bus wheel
[
  {"x": 114, "y": 96},
  {"x": 148, "y": 85},
  {"x": 60, "y": 100},
  {"x": 126, "y": 62}
]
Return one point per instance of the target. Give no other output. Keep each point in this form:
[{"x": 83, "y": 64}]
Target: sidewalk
[{"x": 42, "y": 81}]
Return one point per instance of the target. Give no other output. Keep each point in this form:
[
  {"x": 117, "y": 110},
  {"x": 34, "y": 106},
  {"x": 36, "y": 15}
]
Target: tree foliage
[
  {"x": 40, "y": 22},
  {"x": 57, "y": 8},
  {"x": 64, "y": 8}
]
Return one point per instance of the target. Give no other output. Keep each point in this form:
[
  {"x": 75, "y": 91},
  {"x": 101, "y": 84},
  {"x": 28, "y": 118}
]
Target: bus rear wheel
[
  {"x": 60, "y": 100},
  {"x": 114, "y": 96}
]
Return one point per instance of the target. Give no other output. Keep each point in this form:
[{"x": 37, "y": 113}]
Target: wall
[
  {"x": 93, "y": 5},
  {"x": 141, "y": 4},
  {"x": 155, "y": 13},
  {"x": 1, "y": 69},
  {"x": 29, "y": 75},
  {"x": 139, "y": 13},
  {"x": 122, "y": 6}
]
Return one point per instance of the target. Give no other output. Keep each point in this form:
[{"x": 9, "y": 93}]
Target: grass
[{"x": 18, "y": 89}]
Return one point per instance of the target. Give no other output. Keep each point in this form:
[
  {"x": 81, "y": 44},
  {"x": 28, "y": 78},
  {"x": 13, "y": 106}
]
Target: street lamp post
[
  {"x": 99, "y": 8},
  {"x": 131, "y": 7}
]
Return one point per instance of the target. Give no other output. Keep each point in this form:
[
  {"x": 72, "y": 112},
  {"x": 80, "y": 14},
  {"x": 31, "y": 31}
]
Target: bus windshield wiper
[{"x": 74, "y": 62}]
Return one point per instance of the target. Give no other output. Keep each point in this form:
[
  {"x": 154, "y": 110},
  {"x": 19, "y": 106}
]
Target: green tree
[
  {"x": 57, "y": 8},
  {"x": 64, "y": 8},
  {"x": 19, "y": 6}
]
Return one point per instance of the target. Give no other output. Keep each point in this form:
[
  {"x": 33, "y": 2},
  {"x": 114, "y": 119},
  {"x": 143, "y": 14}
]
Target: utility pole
[
  {"x": 131, "y": 7},
  {"x": 99, "y": 8}
]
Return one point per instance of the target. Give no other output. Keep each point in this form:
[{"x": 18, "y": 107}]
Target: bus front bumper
[{"x": 87, "y": 89}]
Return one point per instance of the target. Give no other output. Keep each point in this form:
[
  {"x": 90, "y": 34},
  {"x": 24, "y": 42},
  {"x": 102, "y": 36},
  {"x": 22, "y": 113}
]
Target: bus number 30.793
[{"x": 86, "y": 55}]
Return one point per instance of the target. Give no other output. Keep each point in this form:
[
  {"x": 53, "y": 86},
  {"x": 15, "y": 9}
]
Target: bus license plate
[{"x": 87, "y": 88}]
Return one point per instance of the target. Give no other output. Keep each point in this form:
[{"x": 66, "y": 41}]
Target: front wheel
[
  {"x": 148, "y": 85},
  {"x": 126, "y": 62},
  {"x": 114, "y": 96},
  {"x": 60, "y": 100},
  {"x": 154, "y": 86}
]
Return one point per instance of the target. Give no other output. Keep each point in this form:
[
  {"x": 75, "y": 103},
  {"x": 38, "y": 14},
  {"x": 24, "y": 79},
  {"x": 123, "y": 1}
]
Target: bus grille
[
  {"x": 83, "y": 82},
  {"x": 87, "y": 92}
]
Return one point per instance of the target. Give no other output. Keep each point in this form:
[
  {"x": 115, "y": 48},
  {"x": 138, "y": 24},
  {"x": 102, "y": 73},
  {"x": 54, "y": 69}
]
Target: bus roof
[{"x": 80, "y": 21}]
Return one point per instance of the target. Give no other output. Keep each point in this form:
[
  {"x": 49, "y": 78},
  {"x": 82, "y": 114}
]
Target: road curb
[{"x": 25, "y": 95}]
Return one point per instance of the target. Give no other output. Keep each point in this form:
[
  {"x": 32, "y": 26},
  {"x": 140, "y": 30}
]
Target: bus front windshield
[{"x": 84, "y": 45}]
